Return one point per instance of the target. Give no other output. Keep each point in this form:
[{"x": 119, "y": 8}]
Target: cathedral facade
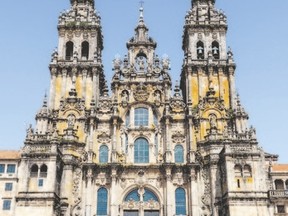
[{"x": 142, "y": 149}]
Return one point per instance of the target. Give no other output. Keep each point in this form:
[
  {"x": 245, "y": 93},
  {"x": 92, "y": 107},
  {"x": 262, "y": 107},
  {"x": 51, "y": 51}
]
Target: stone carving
[
  {"x": 104, "y": 137},
  {"x": 141, "y": 93},
  {"x": 178, "y": 137}
]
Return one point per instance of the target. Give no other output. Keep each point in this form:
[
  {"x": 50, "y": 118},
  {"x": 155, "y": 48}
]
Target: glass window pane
[
  {"x": 180, "y": 201},
  {"x": 151, "y": 213},
  {"x": 102, "y": 198},
  {"x": 11, "y": 168},
  {"x": 8, "y": 186},
  {"x": 133, "y": 195},
  {"x": 2, "y": 168},
  {"x": 179, "y": 158},
  {"x": 131, "y": 213},
  {"x": 141, "y": 117},
  {"x": 141, "y": 151},
  {"x": 6, "y": 204},
  {"x": 103, "y": 157},
  {"x": 149, "y": 195},
  {"x": 40, "y": 183}
]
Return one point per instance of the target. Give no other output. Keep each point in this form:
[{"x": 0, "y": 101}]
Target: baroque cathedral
[{"x": 142, "y": 149}]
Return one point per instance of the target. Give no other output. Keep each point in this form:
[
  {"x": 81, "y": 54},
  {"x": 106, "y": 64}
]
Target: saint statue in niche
[
  {"x": 141, "y": 63},
  {"x": 71, "y": 120}
]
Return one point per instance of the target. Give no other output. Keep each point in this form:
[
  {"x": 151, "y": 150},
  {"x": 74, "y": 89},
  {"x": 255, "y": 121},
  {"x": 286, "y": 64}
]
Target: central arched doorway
[{"x": 141, "y": 202}]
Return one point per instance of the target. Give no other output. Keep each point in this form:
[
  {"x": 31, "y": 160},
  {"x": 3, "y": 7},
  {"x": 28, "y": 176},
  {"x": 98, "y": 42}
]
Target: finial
[
  {"x": 45, "y": 99},
  {"x": 141, "y": 10}
]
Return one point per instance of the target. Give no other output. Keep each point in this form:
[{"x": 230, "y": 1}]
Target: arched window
[
  {"x": 200, "y": 50},
  {"x": 43, "y": 171},
  {"x": 147, "y": 196},
  {"x": 141, "y": 117},
  {"x": 286, "y": 184},
  {"x": 179, "y": 154},
  {"x": 69, "y": 50},
  {"x": 103, "y": 154},
  {"x": 85, "y": 50},
  {"x": 34, "y": 171},
  {"x": 215, "y": 50},
  {"x": 238, "y": 170},
  {"x": 180, "y": 201},
  {"x": 141, "y": 151},
  {"x": 279, "y": 184},
  {"x": 102, "y": 198},
  {"x": 247, "y": 172}
]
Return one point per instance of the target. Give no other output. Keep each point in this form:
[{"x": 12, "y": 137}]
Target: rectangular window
[
  {"x": 6, "y": 204},
  {"x": 280, "y": 209},
  {"x": 2, "y": 168},
  {"x": 151, "y": 213},
  {"x": 141, "y": 117},
  {"x": 11, "y": 168},
  {"x": 131, "y": 213},
  {"x": 40, "y": 183},
  {"x": 8, "y": 186}
]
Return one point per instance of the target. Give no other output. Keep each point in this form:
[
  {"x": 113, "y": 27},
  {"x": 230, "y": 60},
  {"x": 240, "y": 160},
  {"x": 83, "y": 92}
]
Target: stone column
[
  {"x": 67, "y": 182},
  {"x": 170, "y": 193},
  {"x": 89, "y": 192},
  {"x": 113, "y": 193},
  {"x": 64, "y": 80},
  {"x": 94, "y": 85},
  {"x": 232, "y": 87},
  {"x": 52, "y": 87},
  {"x": 194, "y": 205}
]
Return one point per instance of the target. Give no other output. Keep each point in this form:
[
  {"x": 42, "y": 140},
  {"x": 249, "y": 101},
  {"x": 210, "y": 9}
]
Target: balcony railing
[{"x": 278, "y": 194}]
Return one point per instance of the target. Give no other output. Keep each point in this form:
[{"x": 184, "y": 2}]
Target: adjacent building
[{"x": 143, "y": 149}]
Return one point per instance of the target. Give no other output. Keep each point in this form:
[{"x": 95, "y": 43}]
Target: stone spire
[{"x": 141, "y": 32}]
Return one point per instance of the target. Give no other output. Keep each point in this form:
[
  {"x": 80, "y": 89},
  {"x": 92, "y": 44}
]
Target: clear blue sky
[{"x": 257, "y": 34}]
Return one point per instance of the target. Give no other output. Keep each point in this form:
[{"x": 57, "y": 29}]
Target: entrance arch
[{"x": 141, "y": 202}]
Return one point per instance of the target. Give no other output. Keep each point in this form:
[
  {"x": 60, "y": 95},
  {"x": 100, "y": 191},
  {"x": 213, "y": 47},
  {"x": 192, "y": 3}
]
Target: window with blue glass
[
  {"x": 2, "y": 168},
  {"x": 103, "y": 155},
  {"x": 141, "y": 151},
  {"x": 40, "y": 182},
  {"x": 141, "y": 117},
  {"x": 8, "y": 186},
  {"x": 179, "y": 154},
  {"x": 102, "y": 198},
  {"x": 6, "y": 205},
  {"x": 149, "y": 195},
  {"x": 180, "y": 199},
  {"x": 133, "y": 195},
  {"x": 11, "y": 168}
]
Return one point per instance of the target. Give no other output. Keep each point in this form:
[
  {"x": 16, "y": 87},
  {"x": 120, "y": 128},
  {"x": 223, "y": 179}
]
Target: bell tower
[
  {"x": 76, "y": 64},
  {"x": 207, "y": 78}
]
